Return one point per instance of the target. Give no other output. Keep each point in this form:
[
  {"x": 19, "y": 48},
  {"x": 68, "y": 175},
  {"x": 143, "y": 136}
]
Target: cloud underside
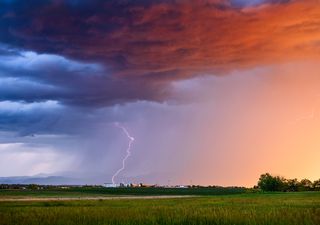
[
  {"x": 66, "y": 67},
  {"x": 142, "y": 46}
]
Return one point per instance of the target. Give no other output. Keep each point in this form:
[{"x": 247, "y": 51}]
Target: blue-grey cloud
[
  {"x": 128, "y": 36},
  {"x": 99, "y": 53},
  {"x": 31, "y": 77}
]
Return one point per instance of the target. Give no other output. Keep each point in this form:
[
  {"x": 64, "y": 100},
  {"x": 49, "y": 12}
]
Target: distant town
[{"x": 105, "y": 185}]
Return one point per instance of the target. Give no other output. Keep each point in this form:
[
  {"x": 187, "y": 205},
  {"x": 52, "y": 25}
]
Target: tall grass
[
  {"x": 91, "y": 191},
  {"x": 277, "y": 209}
]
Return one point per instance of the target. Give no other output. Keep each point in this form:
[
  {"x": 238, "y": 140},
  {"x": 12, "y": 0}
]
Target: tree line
[{"x": 267, "y": 182}]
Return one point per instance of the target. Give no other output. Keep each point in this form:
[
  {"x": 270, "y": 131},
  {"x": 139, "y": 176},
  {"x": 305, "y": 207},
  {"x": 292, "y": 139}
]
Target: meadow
[
  {"x": 101, "y": 191},
  {"x": 246, "y": 208}
]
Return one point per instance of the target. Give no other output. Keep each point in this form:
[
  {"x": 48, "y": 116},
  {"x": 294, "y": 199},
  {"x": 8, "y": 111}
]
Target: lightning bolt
[{"x": 131, "y": 140}]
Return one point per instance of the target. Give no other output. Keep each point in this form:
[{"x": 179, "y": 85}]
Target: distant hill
[
  {"x": 42, "y": 180},
  {"x": 93, "y": 178}
]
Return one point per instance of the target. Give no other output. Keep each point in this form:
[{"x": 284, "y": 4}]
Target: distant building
[
  {"x": 111, "y": 185},
  {"x": 182, "y": 186}
]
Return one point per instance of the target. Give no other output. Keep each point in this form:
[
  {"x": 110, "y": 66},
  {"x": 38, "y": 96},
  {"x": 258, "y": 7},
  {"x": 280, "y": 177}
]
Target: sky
[{"x": 214, "y": 92}]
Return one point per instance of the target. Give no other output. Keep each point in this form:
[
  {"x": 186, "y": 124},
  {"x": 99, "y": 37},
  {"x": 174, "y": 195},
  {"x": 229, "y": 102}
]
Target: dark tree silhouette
[
  {"x": 316, "y": 185},
  {"x": 269, "y": 183},
  {"x": 305, "y": 185},
  {"x": 291, "y": 184}
]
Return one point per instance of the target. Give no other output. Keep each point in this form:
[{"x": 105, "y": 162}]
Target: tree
[
  {"x": 305, "y": 185},
  {"x": 316, "y": 185},
  {"x": 292, "y": 184},
  {"x": 270, "y": 183},
  {"x": 33, "y": 186}
]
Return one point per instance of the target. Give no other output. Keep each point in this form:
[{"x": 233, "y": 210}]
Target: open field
[
  {"x": 98, "y": 191},
  {"x": 81, "y": 198},
  {"x": 250, "y": 208}
]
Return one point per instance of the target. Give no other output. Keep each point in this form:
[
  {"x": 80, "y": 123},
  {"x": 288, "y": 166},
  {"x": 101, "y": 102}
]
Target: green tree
[
  {"x": 270, "y": 183},
  {"x": 33, "y": 186},
  {"x": 305, "y": 185},
  {"x": 292, "y": 184},
  {"x": 316, "y": 185}
]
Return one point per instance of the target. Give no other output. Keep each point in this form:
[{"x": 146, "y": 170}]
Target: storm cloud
[
  {"x": 184, "y": 76},
  {"x": 107, "y": 52}
]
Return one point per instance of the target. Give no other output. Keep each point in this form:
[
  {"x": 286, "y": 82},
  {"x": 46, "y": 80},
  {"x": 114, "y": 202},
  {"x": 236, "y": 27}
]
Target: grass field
[
  {"x": 249, "y": 208},
  {"x": 90, "y": 191}
]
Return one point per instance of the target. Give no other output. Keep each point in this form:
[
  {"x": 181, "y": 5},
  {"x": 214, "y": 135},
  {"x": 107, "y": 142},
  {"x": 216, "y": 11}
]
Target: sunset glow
[{"x": 214, "y": 92}]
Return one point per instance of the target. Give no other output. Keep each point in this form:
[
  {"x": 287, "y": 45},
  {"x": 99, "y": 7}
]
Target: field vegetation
[
  {"x": 101, "y": 191},
  {"x": 250, "y": 208},
  {"x": 274, "y": 201}
]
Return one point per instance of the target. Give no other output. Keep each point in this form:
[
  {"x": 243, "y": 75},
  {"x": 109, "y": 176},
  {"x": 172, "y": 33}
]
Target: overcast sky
[{"x": 213, "y": 91}]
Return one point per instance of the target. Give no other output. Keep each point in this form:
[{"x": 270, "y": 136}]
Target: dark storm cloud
[
  {"x": 134, "y": 38},
  {"x": 31, "y": 77},
  {"x": 50, "y": 94},
  {"x": 141, "y": 45},
  {"x": 66, "y": 67}
]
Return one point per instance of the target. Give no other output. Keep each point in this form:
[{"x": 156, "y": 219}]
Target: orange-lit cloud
[
  {"x": 149, "y": 44},
  {"x": 175, "y": 39},
  {"x": 190, "y": 39},
  {"x": 66, "y": 67}
]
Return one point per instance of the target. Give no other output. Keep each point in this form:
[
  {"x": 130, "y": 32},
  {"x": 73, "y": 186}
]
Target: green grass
[
  {"x": 90, "y": 191},
  {"x": 253, "y": 208}
]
